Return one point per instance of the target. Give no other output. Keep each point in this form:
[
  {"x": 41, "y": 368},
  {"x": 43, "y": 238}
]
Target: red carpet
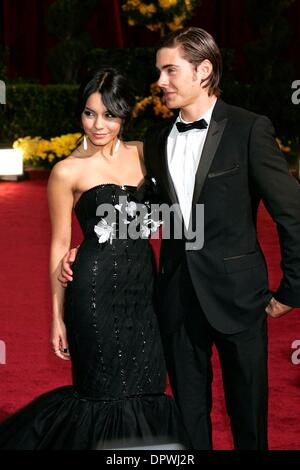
[{"x": 31, "y": 368}]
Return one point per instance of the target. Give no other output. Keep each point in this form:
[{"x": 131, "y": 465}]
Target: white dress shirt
[{"x": 184, "y": 151}]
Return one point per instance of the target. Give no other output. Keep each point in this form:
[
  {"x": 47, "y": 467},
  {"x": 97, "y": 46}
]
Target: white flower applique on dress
[
  {"x": 104, "y": 231},
  {"x": 131, "y": 208},
  {"x": 148, "y": 226}
]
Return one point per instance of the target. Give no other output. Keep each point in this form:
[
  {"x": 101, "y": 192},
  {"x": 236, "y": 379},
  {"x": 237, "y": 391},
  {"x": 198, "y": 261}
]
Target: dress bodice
[{"x": 114, "y": 206}]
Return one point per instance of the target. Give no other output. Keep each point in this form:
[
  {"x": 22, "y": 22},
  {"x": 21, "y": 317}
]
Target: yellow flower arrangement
[
  {"x": 176, "y": 23},
  {"x": 153, "y": 102},
  {"x": 160, "y": 14},
  {"x": 167, "y": 3},
  {"x": 147, "y": 10},
  {"x": 42, "y": 152}
]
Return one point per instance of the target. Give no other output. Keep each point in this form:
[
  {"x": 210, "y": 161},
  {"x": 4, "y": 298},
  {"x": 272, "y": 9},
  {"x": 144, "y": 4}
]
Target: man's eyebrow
[{"x": 168, "y": 65}]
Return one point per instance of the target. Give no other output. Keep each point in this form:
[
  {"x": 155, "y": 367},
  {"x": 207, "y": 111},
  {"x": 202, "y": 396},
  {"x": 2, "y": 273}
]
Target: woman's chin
[{"x": 97, "y": 142}]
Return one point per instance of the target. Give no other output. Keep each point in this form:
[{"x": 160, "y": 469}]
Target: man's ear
[{"x": 204, "y": 69}]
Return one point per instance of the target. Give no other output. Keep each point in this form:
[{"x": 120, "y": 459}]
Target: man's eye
[{"x": 171, "y": 70}]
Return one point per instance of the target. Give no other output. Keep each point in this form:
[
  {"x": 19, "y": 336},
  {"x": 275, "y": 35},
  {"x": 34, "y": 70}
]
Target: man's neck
[{"x": 194, "y": 111}]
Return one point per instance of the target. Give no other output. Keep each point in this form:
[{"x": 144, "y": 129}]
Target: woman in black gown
[{"x": 104, "y": 320}]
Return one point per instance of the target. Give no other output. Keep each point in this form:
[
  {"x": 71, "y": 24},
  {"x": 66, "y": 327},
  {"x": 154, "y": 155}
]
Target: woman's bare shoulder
[
  {"x": 134, "y": 143},
  {"x": 138, "y": 144},
  {"x": 66, "y": 170}
]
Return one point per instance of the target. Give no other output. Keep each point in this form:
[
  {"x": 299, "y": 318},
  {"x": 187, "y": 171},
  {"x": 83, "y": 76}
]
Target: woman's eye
[
  {"x": 109, "y": 115},
  {"x": 171, "y": 70},
  {"x": 88, "y": 113}
]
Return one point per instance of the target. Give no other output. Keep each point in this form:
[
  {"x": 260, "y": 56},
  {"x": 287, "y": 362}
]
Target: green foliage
[
  {"x": 270, "y": 11},
  {"x": 159, "y": 15},
  {"x": 65, "y": 58},
  {"x": 266, "y": 55},
  {"x": 65, "y": 20},
  {"x": 271, "y": 74},
  {"x": 65, "y": 17},
  {"x": 47, "y": 111},
  {"x": 137, "y": 63},
  {"x": 38, "y": 110}
]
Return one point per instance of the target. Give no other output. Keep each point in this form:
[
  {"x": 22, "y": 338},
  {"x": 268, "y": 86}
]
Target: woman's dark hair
[
  {"x": 197, "y": 45},
  {"x": 116, "y": 92}
]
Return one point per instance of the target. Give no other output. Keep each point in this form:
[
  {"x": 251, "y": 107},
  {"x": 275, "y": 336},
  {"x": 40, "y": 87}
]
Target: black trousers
[{"x": 243, "y": 358}]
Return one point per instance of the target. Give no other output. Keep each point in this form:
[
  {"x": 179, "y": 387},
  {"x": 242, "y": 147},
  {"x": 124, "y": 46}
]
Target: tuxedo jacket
[{"x": 240, "y": 165}]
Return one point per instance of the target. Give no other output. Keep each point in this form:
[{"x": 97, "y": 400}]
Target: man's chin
[{"x": 171, "y": 105}]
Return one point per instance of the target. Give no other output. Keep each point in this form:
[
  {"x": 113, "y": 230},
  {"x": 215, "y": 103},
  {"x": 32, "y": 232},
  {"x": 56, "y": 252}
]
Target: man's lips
[{"x": 169, "y": 93}]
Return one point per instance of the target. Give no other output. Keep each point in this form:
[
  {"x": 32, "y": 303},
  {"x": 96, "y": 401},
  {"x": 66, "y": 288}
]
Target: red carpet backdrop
[{"x": 31, "y": 368}]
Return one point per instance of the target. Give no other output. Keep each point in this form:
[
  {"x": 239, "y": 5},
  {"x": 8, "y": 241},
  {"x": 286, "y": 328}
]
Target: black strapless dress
[{"x": 119, "y": 376}]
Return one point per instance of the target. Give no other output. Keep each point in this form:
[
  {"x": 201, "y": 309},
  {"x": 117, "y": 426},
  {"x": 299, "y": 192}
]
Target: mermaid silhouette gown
[{"x": 119, "y": 376}]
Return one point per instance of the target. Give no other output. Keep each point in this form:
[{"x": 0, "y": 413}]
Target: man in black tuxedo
[
  {"x": 225, "y": 158},
  {"x": 228, "y": 161}
]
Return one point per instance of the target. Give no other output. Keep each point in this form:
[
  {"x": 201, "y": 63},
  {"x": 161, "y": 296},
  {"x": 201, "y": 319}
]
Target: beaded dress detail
[{"x": 119, "y": 375}]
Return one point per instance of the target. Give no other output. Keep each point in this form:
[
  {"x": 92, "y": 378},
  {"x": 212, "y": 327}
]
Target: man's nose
[{"x": 162, "y": 81}]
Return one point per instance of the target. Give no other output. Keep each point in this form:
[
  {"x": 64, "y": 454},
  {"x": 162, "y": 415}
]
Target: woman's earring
[
  {"x": 85, "y": 145},
  {"x": 117, "y": 145}
]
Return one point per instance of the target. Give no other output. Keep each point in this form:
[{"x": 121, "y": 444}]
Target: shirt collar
[{"x": 206, "y": 116}]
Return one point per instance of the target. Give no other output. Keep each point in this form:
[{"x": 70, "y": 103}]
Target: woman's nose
[{"x": 99, "y": 123}]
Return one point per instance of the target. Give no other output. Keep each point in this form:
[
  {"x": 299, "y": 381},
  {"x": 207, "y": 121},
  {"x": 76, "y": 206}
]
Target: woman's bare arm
[{"x": 60, "y": 201}]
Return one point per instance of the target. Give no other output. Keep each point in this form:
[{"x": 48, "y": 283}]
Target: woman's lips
[{"x": 99, "y": 136}]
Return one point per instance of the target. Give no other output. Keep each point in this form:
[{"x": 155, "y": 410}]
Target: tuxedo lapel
[{"x": 215, "y": 131}]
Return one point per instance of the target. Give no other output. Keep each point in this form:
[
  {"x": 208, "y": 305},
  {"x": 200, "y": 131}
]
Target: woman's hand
[{"x": 59, "y": 339}]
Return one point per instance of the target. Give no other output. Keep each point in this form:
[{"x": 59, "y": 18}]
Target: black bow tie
[{"x": 182, "y": 127}]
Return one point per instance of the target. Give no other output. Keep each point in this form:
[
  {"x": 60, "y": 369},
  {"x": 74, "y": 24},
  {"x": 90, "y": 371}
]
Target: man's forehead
[{"x": 168, "y": 56}]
